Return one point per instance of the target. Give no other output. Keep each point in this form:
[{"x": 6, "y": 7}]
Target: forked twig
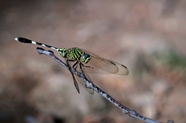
[{"x": 90, "y": 85}]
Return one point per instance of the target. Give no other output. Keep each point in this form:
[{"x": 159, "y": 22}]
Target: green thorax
[{"x": 74, "y": 54}]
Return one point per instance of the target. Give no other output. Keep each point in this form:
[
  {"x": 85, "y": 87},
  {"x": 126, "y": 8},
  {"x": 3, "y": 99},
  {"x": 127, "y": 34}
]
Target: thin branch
[{"x": 90, "y": 85}]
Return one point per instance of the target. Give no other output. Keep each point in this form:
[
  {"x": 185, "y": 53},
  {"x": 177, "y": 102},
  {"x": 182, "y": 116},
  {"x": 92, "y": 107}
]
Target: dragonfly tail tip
[{"x": 16, "y": 39}]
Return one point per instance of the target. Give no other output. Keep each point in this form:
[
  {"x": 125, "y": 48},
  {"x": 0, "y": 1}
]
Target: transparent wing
[
  {"x": 91, "y": 91},
  {"x": 77, "y": 67},
  {"x": 112, "y": 67},
  {"x": 74, "y": 79}
]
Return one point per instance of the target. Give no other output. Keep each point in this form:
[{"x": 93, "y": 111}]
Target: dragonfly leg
[
  {"x": 86, "y": 75},
  {"x": 75, "y": 65},
  {"x": 80, "y": 65},
  {"x": 87, "y": 66},
  {"x": 82, "y": 71},
  {"x": 74, "y": 79}
]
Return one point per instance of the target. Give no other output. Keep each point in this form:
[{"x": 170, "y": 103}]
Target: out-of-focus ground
[{"x": 146, "y": 36}]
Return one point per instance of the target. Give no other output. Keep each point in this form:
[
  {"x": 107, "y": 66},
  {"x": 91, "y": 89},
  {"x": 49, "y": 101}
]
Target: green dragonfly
[{"x": 83, "y": 61}]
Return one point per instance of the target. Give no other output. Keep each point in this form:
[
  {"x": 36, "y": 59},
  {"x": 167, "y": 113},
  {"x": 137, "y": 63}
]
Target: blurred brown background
[{"x": 146, "y": 36}]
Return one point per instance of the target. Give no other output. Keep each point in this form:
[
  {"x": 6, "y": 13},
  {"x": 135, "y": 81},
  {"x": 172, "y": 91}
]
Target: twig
[{"x": 90, "y": 85}]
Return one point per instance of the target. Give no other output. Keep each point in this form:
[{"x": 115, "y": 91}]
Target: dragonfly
[{"x": 83, "y": 61}]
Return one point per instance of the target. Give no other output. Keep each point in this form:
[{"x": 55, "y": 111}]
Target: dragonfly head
[
  {"x": 62, "y": 52},
  {"x": 85, "y": 58}
]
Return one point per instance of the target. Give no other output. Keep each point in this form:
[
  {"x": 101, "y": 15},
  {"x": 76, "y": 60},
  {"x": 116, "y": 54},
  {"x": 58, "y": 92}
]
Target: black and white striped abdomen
[{"x": 24, "y": 40}]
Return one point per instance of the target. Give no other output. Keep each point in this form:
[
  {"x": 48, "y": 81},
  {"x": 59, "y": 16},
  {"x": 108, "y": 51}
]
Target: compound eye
[
  {"x": 85, "y": 58},
  {"x": 86, "y": 55}
]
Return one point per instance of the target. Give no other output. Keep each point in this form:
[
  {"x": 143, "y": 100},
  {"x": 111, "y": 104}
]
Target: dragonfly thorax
[{"x": 74, "y": 54}]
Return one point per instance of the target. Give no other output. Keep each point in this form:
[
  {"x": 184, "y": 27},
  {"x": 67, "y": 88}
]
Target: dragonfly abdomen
[{"x": 24, "y": 40}]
